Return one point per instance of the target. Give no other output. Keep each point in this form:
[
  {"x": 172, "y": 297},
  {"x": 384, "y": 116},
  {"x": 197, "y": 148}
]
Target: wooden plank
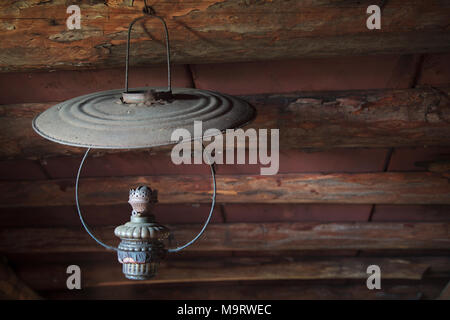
[
  {"x": 364, "y": 188},
  {"x": 435, "y": 166},
  {"x": 34, "y": 33},
  {"x": 377, "y": 118},
  {"x": 12, "y": 287},
  {"x": 266, "y": 290},
  {"x": 251, "y": 237},
  {"x": 107, "y": 274}
]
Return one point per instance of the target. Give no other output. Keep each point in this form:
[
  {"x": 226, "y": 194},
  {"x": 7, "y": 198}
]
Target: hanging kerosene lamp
[{"x": 140, "y": 118}]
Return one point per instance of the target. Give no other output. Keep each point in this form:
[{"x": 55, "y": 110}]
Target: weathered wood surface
[
  {"x": 364, "y": 188},
  {"x": 244, "y": 237},
  {"x": 438, "y": 166},
  {"x": 380, "y": 118},
  {"x": 108, "y": 274},
  {"x": 34, "y": 33},
  {"x": 12, "y": 287},
  {"x": 280, "y": 290}
]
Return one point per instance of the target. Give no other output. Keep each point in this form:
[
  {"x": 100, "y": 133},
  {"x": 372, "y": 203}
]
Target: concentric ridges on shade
[{"x": 101, "y": 120}]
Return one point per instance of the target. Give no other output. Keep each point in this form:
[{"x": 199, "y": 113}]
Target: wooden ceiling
[
  {"x": 364, "y": 150},
  {"x": 34, "y": 33}
]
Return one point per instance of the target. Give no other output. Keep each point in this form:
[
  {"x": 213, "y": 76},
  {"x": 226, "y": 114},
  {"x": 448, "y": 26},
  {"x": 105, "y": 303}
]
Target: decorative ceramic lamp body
[{"x": 142, "y": 247}]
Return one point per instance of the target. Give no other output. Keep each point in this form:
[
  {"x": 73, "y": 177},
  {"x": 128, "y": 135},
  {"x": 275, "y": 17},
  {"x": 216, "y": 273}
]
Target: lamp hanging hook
[
  {"x": 149, "y": 12},
  {"x": 148, "y": 9}
]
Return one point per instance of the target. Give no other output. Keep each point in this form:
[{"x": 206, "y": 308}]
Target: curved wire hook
[
  {"x": 79, "y": 210},
  {"x": 213, "y": 174},
  {"x": 148, "y": 13}
]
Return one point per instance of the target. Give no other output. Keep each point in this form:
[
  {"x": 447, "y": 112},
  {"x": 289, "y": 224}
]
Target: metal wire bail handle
[
  {"x": 149, "y": 13},
  {"x": 213, "y": 202}
]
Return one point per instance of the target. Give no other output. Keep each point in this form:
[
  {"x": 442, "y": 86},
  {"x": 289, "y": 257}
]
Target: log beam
[
  {"x": 285, "y": 290},
  {"x": 107, "y": 274},
  {"x": 252, "y": 237},
  {"x": 377, "y": 118},
  {"x": 34, "y": 33},
  {"x": 358, "y": 188}
]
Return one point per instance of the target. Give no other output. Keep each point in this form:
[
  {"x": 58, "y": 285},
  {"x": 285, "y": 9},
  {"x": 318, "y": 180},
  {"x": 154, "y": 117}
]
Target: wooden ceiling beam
[
  {"x": 109, "y": 274},
  {"x": 34, "y": 34},
  {"x": 266, "y": 290},
  {"x": 356, "y": 188},
  {"x": 247, "y": 237},
  {"x": 320, "y": 120}
]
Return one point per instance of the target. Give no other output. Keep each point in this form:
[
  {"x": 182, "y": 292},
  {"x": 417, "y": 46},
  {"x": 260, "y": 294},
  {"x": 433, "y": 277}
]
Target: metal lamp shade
[{"x": 102, "y": 120}]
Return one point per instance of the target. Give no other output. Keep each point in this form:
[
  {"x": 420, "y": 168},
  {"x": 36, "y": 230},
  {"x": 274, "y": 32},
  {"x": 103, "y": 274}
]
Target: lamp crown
[{"x": 140, "y": 199}]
